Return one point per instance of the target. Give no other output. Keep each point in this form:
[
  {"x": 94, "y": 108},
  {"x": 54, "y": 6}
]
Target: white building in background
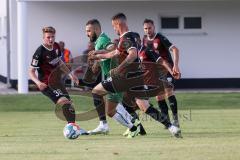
[{"x": 206, "y": 32}]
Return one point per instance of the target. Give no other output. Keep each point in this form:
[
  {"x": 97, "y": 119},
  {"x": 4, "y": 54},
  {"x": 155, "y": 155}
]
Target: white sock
[
  {"x": 122, "y": 116},
  {"x": 103, "y": 123},
  {"x": 120, "y": 109}
]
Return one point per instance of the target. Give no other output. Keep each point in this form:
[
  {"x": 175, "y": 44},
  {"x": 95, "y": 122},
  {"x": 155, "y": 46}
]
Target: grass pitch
[{"x": 210, "y": 124}]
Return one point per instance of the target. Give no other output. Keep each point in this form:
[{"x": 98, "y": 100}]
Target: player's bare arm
[
  {"x": 32, "y": 74},
  {"x": 107, "y": 53},
  {"x": 132, "y": 55},
  {"x": 165, "y": 64},
  {"x": 174, "y": 50},
  {"x": 103, "y": 54},
  {"x": 66, "y": 70}
]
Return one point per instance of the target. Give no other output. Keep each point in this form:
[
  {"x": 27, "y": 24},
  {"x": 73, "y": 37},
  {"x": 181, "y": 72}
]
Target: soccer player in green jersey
[{"x": 103, "y": 42}]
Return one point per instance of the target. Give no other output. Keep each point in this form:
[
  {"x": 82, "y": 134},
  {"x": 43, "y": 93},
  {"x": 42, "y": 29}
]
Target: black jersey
[
  {"x": 45, "y": 61},
  {"x": 148, "y": 55},
  {"x": 159, "y": 45},
  {"x": 128, "y": 41}
]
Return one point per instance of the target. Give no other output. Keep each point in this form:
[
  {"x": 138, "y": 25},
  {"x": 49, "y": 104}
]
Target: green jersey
[{"x": 102, "y": 43}]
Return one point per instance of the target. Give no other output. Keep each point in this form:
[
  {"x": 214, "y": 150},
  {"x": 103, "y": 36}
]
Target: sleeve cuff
[{"x": 131, "y": 48}]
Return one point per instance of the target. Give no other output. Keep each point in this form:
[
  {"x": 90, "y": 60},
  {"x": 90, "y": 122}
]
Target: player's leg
[
  {"x": 95, "y": 78},
  {"x": 101, "y": 90},
  {"x": 97, "y": 93},
  {"x": 169, "y": 93},
  {"x": 130, "y": 106},
  {"x": 103, "y": 127},
  {"x": 162, "y": 104},
  {"x": 118, "y": 113},
  {"x": 64, "y": 110},
  {"x": 146, "y": 107},
  {"x": 67, "y": 109},
  {"x": 173, "y": 105}
]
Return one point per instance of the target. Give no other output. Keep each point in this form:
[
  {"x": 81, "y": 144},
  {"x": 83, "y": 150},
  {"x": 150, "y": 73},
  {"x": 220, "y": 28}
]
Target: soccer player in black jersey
[
  {"x": 127, "y": 53},
  {"x": 50, "y": 68},
  {"x": 160, "y": 45}
]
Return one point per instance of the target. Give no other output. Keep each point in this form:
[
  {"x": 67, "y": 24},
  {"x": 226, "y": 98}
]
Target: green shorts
[{"x": 115, "y": 97}]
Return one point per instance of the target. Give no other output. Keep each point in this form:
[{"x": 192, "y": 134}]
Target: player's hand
[
  {"x": 176, "y": 75},
  {"x": 113, "y": 72},
  {"x": 95, "y": 67},
  {"x": 90, "y": 58},
  {"x": 92, "y": 55},
  {"x": 41, "y": 86},
  {"x": 176, "y": 69}
]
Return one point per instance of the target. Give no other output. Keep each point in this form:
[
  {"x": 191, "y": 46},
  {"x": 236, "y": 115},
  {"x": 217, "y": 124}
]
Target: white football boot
[
  {"x": 175, "y": 131},
  {"x": 102, "y": 128}
]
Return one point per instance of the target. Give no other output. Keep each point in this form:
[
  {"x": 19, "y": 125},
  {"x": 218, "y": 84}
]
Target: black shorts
[
  {"x": 170, "y": 78},
  {"x": 108, "y": 85},
  {"x": 170, "y": 81},
  {"x": 118, "y": 84},
  {"x": 55, "y": 94}
]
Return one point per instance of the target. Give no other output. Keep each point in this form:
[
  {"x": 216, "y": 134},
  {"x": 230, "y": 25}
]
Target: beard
[{"x": 93, "y": 38}]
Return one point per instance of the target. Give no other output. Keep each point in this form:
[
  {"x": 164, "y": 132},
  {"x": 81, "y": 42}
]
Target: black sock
[
  {"x": 69, "y": 113},
  {"x": 173, "y": 105},
  {"x": 158, "y": 116},
  {"x": 100, "y": 107},
  {"x": 163, "y": 107},
  {"x": 134, "y": 128},
  {"x": 135, "y": 116}
]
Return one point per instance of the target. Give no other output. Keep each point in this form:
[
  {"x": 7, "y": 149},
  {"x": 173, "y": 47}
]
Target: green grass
[
  {"x": 186, "y": 101},
  {"x": 29, "y": 130}
]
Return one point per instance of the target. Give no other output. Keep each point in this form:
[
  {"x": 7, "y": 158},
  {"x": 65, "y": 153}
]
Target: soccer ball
[{"x": 71, "y": 131}]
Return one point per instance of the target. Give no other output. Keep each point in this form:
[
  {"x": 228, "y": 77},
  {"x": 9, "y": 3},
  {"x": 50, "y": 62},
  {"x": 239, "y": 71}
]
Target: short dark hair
[
  {"x": 148, "y": 21},
  {"x": 94, "y": 22},
  {"x": 119, "y": 16}
]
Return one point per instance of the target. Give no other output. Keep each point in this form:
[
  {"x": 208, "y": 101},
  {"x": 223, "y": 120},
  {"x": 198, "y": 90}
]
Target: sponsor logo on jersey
[
  {"x": 34, "y": 62},
  {"x": 155, "y": 45},
  {"x": 54, "y": 61},
  {"x": 126, "y": 44},
  {"x": 57, "y": 51}
]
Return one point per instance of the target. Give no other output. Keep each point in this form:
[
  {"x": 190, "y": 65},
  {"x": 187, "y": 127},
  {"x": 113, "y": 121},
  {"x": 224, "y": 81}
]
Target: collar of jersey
[
  {"x": 47, "y": 48},
  {"x": 99, "y": 36},
  {"x": 124, "y": 34},
  {"x": 153, "y": 37}
]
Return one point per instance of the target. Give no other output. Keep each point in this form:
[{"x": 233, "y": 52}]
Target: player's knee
[
  {"x": 160, "y": 97},
  {"x": 142, "y": 104},
  {"x": 169, "y": 93},
  {"x": 63, "y": 100},
  {"x": 111, "y": 109},
  {"x": 99, "y": 89},
  {"x": 96, "y": 91},
  {"x": 110, "y": 114}
]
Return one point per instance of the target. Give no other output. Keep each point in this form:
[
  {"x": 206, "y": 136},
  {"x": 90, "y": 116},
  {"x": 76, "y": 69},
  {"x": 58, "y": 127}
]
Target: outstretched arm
[
  {"x": 102, "y": 54},
  {"x": 66, "y": 70},
  {"x": 132, "y": 55}
]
